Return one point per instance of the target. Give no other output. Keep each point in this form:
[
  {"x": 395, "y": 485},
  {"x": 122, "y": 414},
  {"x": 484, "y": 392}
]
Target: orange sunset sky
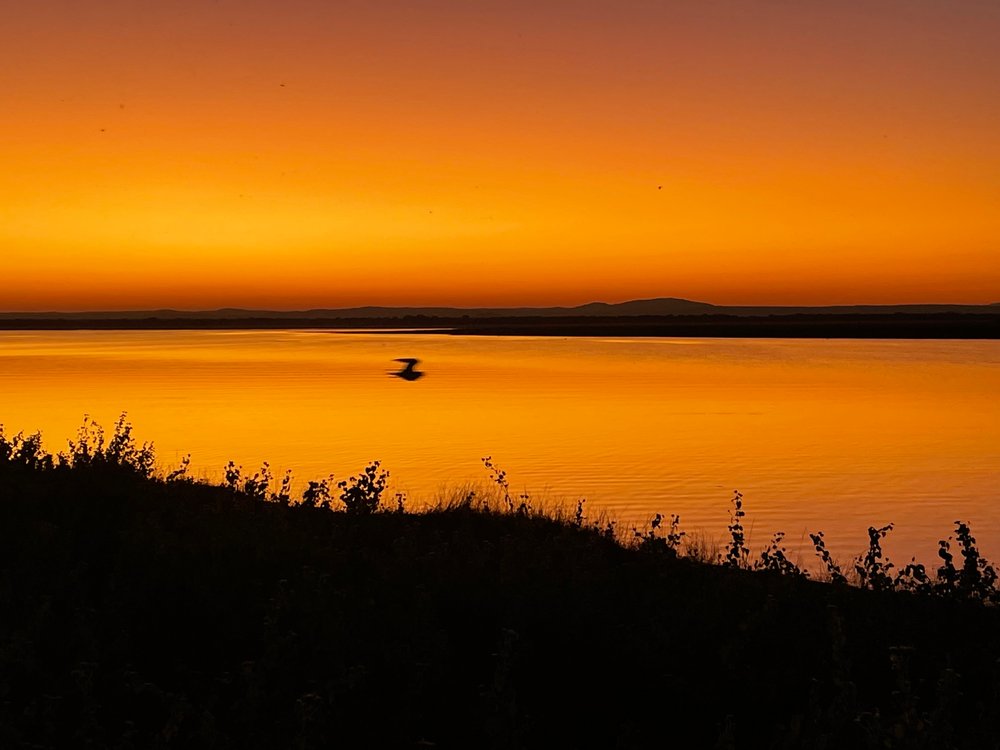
[{"x": 307, "y": 153}]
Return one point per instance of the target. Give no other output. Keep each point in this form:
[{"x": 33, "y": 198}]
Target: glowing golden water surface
[{"x": 831, "y": 435}]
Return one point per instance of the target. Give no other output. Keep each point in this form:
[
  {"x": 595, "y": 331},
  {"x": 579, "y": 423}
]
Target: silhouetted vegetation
[{"x": 146, "y": 609}]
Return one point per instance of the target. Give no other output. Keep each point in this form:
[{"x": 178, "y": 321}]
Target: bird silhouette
[{"x": 409, "y": 372}]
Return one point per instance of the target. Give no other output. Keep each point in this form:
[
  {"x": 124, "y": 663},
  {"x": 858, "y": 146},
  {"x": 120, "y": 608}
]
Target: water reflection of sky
[{"x": 831, "y": 435}]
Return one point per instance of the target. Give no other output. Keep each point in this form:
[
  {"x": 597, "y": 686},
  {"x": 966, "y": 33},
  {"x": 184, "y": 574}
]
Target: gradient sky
[{"x": 320, "y": 153}]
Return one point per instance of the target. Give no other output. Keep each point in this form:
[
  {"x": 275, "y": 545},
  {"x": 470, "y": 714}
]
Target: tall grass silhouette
[{"x": 362, "y": 494}]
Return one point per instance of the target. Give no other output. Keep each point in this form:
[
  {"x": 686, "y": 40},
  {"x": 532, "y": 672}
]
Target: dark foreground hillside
[{"x": 140, "y": 613}]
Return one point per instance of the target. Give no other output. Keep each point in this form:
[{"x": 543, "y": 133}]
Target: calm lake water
[{"x": 818, "y": 435}]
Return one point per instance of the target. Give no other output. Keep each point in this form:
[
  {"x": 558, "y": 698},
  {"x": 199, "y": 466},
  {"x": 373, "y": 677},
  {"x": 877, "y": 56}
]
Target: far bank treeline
[
  {"x": 943, "y": 325},
  {"x": 142, "y": 608}
]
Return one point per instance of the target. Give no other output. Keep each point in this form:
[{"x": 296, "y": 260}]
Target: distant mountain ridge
[{"x": 641, "y": 307}]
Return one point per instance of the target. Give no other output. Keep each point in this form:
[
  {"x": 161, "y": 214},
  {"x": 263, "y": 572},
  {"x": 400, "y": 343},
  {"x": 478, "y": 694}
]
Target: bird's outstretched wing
[{"x": 411, "y": 363}]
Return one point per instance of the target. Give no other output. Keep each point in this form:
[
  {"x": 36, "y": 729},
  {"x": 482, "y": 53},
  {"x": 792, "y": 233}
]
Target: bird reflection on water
[{"x": 410, "y": 372}]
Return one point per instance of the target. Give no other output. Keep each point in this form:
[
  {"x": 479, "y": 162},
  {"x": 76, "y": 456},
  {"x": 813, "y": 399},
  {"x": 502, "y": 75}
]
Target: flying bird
[{"x": 409, "y": 372}]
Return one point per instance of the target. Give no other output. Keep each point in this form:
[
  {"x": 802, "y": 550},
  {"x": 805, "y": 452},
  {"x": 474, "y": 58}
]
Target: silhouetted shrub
[
  {"x": 913, "y": 577},
  {"x": 256, "y": 486},
  {"x": 499, "y": 477},
  {"x": 872, "y": 568},
  {"x": 737, "y": 553},
  {"x": 774, "y": 558},
  {"x": 23, "y": 451},
  {"x": 122, "y": 450},
  {"x": 90, "y": 450},
  {"x": 362, "y": 494},
  {"x": 651, "y": 541},
  {"x": 831, "y": 568},
  {"x": 674, "y": 533},
  {"x": 283, "y": 495},
  {"x": 182, "y": 472},
  {"x": 88, "y": 446},
  {"x": 976, "y": 579},
  {"x": 317, "y": 494}
]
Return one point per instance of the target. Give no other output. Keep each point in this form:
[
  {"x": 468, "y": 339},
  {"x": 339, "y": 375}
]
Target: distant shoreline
[{"x": 945, "y": 325}]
